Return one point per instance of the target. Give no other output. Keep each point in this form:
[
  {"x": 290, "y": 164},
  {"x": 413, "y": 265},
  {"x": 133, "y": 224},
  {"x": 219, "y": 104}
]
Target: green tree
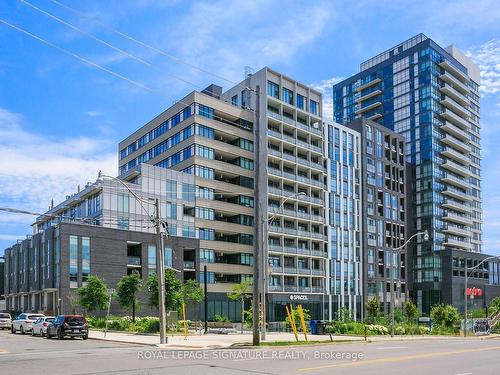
[
  {"x": 93, "y": 296},
  {"x": 127, "y": 289},
  {"x": 296, "y": 316},
  {"x": 445, "y": 316},
  {"x": 240, "y": 292},
  {"x": 494, "y": 307},
  {"x": 372, "y": 309},
  {"x": 344, "y": 315},
  {"x": 173, "y": 290},
  {"x": 410, "y": 311},
  {"x": 191, "y": 292}
]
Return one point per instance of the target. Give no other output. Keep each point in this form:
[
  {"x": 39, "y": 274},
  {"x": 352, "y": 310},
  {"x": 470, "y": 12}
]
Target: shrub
[
  {"x": 221, "y": 319},
  {"x": 445, "y": 316},
  {"x": 399, "y": 330},
  {"x": 377, "y": 329},
  {"x": 372, "y": 309}
]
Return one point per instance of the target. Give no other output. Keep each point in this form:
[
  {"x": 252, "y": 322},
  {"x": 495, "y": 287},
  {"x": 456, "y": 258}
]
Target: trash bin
[
  {"x": 320, "y": 327},
  {"x": 313, "y": 325}
]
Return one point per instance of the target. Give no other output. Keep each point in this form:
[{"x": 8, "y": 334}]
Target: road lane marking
[
  {"x": 4, "y": 351},
  {"x": 398, "y": 359},
  {"x": 465, "y": 373}
]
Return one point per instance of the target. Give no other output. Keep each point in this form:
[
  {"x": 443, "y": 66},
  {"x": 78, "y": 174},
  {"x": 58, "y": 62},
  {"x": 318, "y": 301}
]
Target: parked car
[
  {"x": 24, "y": 322},
  {"x": 5, "y": 321},
  {"x": 68, "y": 325},
  {"x": 40, "y": 326}
]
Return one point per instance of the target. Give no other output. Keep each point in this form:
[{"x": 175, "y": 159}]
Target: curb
[{"x": 121, "y": 341}]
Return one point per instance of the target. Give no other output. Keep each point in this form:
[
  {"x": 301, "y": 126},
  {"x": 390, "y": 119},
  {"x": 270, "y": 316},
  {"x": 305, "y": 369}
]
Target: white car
[
  {"x": 5, "y": 321},
  {"x": 24, "y": 322},
  {"x": 40, "y": 325}
]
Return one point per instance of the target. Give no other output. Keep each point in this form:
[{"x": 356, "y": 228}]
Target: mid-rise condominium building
[
  {"x": 384, "y": 212},
  {"x": 344, "y": 221},
  {"x": 430, "y": 96},
  {"x": 290, "y": 189}
]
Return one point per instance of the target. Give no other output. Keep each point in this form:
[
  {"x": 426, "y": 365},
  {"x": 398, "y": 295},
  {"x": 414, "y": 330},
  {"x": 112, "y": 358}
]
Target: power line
[
  {"x": 109, "y": 71},
  {"x": 103, "y": 42},
  {"x": 78, "y": 57},
  {"x": 144, "y": 44}
]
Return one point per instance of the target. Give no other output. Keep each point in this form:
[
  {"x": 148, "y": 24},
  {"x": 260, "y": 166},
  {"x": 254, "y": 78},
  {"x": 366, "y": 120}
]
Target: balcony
[
  {"x": 275, "y": 288},
  {"x": 457, "y": 206},
  {"x": 290, "y": 250},
  {"x": 365, "y": 85},
  {"x": 368, "y": 107},
  {"x": 273, "y": 133},
  {"x": 291, "y": 270},
  {"x": 319, "y": 253},
  {"x": 275, "y": 248},
  {"x": 304, "y": 289},
  {"x": 369, "y": 95},
  {"x": 290, "y": 288},
  {"x": 274, "y": 191},
  {"x": 455, "y": 131},
  {"x": 456, "y": 168},
  {"x": 455, "y": 155},
  {"x": 456, "y": 107},
  {"x": 317, "y": 289},
  {"x": 457, "y": 218},
  {"x": 318, "y": 272},
  {"x": 450, "y": 191},
  {"x": 375, "y": 117},
  {"x": 454, "y": 70},
  {"x": 274, "y": 115},
  {"x": 274, "y": 171},
  {"x": 189, "y": 265},
  {"x": 455, "y": 143},
  {"x": 449, "y": 90},
  {"x": 451, "y": 116},
  {"x": 461, "y": 183},
  {"x": 457, "y": 231},
  {"x": 456, "y": 83},
  {"x": 304, "y": 271},
  {"x": 457, "y": 243}
]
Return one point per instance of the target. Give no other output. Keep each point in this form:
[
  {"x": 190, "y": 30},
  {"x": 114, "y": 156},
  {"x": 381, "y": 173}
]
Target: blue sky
[{"x": 61, "y": 120}]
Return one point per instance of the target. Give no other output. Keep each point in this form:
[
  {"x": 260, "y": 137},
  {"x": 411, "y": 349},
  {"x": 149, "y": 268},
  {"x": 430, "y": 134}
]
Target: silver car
[
  {"x": 40, "y": 326},
  {"x": 5, "y": 321}
]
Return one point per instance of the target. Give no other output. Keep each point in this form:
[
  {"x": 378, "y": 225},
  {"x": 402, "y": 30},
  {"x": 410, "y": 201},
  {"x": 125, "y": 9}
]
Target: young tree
[
  {"x": 240, "y": 292},
  {"x": 127, "y": 289},
  {"x": 445, "y": 315},
  {"x": 93, "y": 296},
  {"x": 372, "y": 309},
  {"x": 191, "y": 292},
  {"x": 173, "y": 295},
  {"x": 411, "y": 311}
]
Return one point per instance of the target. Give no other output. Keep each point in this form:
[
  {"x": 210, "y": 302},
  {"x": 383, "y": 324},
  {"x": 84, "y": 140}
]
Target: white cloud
[
  {"x": 12, "y": 237},
  {"x": 36, "y": 168},
  {"x": 224, "y": 37},
  {"x": 94, "y": 113},
  {"x": 325, "y": 87},
  {"x": 487, "y": 56}
]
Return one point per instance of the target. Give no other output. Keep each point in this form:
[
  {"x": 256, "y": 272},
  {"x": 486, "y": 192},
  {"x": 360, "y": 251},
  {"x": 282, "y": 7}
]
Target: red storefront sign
[{"x": 474, "y": 292}]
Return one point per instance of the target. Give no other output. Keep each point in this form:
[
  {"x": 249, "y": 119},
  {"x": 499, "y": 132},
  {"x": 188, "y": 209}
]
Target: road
[{"x": 21, "y": 355}]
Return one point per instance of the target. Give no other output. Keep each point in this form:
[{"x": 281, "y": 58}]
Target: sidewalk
[{"x": 216, "y": 341}]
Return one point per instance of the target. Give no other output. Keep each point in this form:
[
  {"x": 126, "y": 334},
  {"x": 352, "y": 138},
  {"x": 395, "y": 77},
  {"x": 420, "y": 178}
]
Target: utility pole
[
  {"x": 160, "y": 272},
  {"x": 258, "y": 217},
  {"x": 205, "y": 279}
]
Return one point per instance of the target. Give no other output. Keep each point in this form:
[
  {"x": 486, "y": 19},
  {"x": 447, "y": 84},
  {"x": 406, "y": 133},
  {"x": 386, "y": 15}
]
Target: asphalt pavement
[{"x": 21, "y": 355}]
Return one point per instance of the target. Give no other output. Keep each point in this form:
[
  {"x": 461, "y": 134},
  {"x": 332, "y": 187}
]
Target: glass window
[
  {"x": 313, "y": 107},
  {"x": 171, "y": 189},
  {"x": 188, "y": 192},
  {"x": 273, "y": 90},
  {"x": 85, "y": 259},
  {"x": 123, "y": 202},
  {"x": 234, "y": 100},
  {"x": 301, "y": 100},
  {"x": 73, "y": 261},
  {"x": 207, "y": 256},
  {"x": 151, "y": 259},
  {"x": 287, "y": 96},
  {"x": 168, "y": 257}
]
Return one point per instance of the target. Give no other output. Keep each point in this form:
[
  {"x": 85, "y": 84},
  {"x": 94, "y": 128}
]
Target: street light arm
[
  {"x": 408, "y": 240},
  {"x": 477, "y": 266}
]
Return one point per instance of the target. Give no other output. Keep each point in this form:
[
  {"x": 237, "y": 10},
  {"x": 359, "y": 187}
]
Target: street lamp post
[
  {"x": 265, "y": 264},
  {"x": 468, "y": 272},
  {"x": 395, "y": 252},
  {"x": 160, "y": 259},
  {"x": 205, "y": 286}
]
